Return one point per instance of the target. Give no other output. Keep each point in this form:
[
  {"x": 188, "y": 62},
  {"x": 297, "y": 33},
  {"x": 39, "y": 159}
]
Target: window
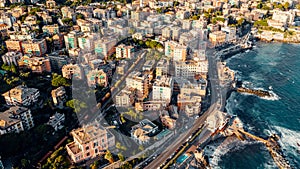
[
  {"x": 87, "y": 148},
  {"x": 87, "y": 154}
]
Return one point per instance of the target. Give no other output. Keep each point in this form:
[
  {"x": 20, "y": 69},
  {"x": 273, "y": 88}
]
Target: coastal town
[{"x": 119, "y": 84}]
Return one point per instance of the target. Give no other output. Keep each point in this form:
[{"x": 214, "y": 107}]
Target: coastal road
[
  {"x": 218, "y": 98},
  {"x": 180, "y": 140}
]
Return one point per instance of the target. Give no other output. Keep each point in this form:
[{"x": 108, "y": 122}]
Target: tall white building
[
  {"x": 15, "y": 119},
  {"x": 10, "y": 58},
  {"x": 123, "y": 51},
  {"x": 190, "y": 68},
  {"x": 162, "y": 89},
  {"x": 176, "y": 51},
  {"x": 140, "y": 82}
]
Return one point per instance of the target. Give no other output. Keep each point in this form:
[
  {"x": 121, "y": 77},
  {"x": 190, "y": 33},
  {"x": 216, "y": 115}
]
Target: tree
[
  {"x": 259, "y": 5},
  {"x": 240, "y": 21},
  {"x": 95, "y": 165},
  {"x": 159, "y": 46},
  {"x": 121, "y": 157},
  {"x": 108, "y": 156},
  {"x": 122, "y": 118},
  {"x": 58, "y": 80},
  {"x": 24, "y": 163},
  {"x": 127, "y": 165},
  {"x": 286, "y": 5},
  {"x": 79, "y": 16},
  {"x": 76, "y": 105},
  {"x": 141, "y": 148},
  {"x": 175, "y": 3}
]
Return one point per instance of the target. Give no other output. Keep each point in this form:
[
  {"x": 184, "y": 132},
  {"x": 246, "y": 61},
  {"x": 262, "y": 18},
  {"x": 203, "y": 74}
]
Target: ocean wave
[
  {"x": 273, "y": 97},
  {"x": 218, "y": 150},
  {"x": 289, "y": 140}
]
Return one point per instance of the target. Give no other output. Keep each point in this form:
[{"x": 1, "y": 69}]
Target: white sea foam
[
  {"x": 218, "y": 150},
  {"x": 273, "y": 96},
  {"x": 289, "y": 140}
]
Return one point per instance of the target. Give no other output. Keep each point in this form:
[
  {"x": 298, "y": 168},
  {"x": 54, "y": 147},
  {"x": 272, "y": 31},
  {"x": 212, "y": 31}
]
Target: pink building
[{"x": 89, "y": 142}]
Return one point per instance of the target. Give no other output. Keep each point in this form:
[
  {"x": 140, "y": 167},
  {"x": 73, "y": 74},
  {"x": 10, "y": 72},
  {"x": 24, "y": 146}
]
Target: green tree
[
  {"x": 240, "y": 21},
  {"x": 286, "y": 5},
  {"x": 76, "y": 105},
  {"x": 58, "y": 80},
  {"x": 79, "y": 16},
  {"x": 259, "y": 5},
  {"x": 121, "y": 157},
  {"x": 159, "y": 46},
  {"x": 108, "y": 156},
  {"x": 126, "y": 165},
  {"x": 175, "y": 3}
]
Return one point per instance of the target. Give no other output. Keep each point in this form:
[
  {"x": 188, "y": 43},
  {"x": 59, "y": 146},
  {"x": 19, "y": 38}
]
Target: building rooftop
[
  {"x": 20, "y": 92},
  {"x": 163, "y": 81},
  {"x": 89, "y": 132},
  {"x": 7, "y": 118}
]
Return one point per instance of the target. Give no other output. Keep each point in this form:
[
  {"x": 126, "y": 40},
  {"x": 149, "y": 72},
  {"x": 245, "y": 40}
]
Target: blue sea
[{"x": 274, "y": 67}]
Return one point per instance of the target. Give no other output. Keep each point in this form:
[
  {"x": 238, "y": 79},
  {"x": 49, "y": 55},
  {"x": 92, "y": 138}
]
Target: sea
[{"x": 274, "y": 67}]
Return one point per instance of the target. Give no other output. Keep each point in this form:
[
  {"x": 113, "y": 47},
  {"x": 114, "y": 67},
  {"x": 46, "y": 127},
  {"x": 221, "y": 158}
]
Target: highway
[{"x": 218, "y": 98}]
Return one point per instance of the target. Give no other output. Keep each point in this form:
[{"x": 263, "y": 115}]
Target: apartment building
[
  {"x": 122, "y": 67},
  {"x": 105, "y": 46},
  {"x": 86, "y": 42},
  {"x": 57, "y": 121},
  {"x": 125, "y": 98},
  {"x": 58, "y": 41},
  {"x": 11, "y": 58},
  {"x": 67, "y": 12},
  {"x": 89, "y": 142},
  {"x": 217, "y": 37},
  {"x": 57, "y": 61},
  {"x": 166, "y": 33},
  {"x": 74, "y": 71},
  {"x": 162, "y": 89},
  {"x": 97, "y": 77},
  {"x": 191, "y": 87},
  {"x": 190, "y": 68},
  {"x": 140, "y": 82},
  {"x": 59, "y": 96},
  {"x": 51, "y": 29},
  {"x": 36, "y": 47},
  {"x": 176, "y": 51},
  {"x": 21, "y": 96},
  {"x": 13, "y": 45},
  {"x": 35, "y": 64},
  {"x": 141, "y": 132},
  {"x": 123, "y": 51},
  {"x": 15, "y": 119},
  {"x": 71, "y": 39},
  {"x": 166, "y": 120},
  {"x": 230, "y": 33},
  {"x": 162, "y": 67},
  {"x": 50, "y": 4},
  {"x": 189, "y": 104}
]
